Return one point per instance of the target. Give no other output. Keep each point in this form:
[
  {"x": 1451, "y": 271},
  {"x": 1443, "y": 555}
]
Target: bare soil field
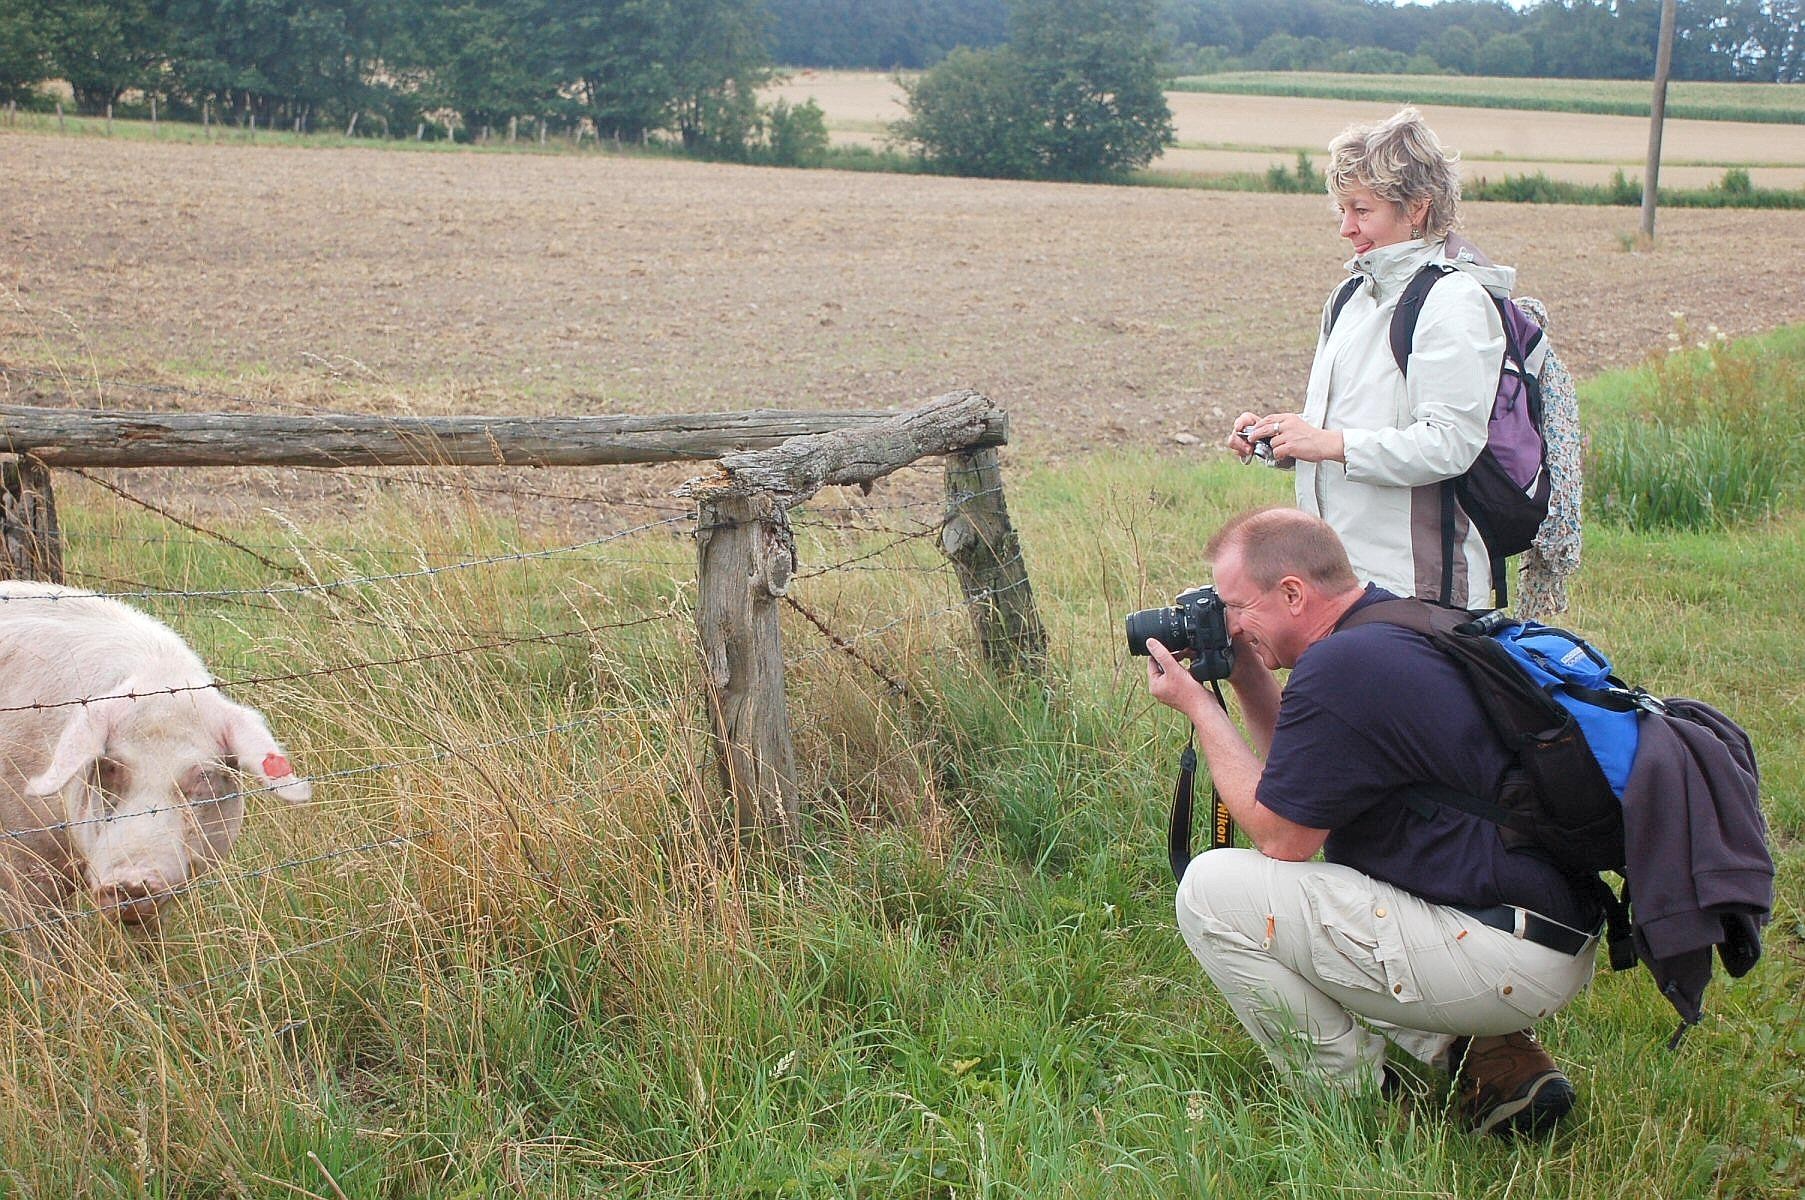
[
  {"x": 1224, "y": 133},
  {"x": 562, "y": 283}
]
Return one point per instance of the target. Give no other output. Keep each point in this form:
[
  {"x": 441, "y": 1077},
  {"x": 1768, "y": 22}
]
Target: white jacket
[{"x": 1403, "y": 438}]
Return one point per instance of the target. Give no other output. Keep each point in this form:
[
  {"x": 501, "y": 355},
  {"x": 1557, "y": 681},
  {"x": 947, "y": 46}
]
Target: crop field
[
  {"x": 508, "y": 948},
  {"x": 1777, "y": 102},
  {"x": 1224, "y": 133}
]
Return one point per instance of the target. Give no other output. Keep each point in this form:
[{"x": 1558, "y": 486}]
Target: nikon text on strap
[{"x": 1178, "y": 832}]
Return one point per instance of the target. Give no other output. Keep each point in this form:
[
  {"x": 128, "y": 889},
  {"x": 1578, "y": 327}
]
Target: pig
[{"x": 124, "y": 797}]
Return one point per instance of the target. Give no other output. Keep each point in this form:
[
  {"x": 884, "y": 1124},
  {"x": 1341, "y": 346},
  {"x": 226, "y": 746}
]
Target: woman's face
[{"x": 1369, "y": 222}]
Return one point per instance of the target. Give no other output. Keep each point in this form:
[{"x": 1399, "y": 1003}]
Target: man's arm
[
  {"x": 1234, "y": 768},
  {"x": 1257, "y": 689}
]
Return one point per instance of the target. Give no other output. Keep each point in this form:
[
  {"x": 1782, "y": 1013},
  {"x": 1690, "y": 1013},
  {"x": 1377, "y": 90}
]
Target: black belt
[{"x": 1532, "y": 927}]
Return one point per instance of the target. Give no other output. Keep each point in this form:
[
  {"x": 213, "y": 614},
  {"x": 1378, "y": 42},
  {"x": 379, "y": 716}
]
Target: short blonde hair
[{"x": 1402, "y": 161}]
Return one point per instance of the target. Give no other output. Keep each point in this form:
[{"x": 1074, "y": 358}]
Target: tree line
[
  {"x": 621, "y": 69},
  {"x": 1758, "y": 40}
]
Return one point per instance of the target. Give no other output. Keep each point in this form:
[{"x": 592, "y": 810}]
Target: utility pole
[{"x": 1657, "y": 115}]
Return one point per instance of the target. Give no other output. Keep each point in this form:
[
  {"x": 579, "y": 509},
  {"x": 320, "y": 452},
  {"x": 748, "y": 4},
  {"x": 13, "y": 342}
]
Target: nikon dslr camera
[{"x": 1195, "y": 622}]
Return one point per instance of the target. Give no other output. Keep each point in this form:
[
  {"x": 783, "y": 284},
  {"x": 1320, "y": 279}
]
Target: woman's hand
[
  {"x": 1237, "y": 441},
  {"x": 1295, "y": 438}
]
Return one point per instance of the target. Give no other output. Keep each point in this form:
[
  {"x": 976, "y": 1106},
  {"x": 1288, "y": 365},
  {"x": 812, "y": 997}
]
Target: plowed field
[{"x": 591, "y": 283}]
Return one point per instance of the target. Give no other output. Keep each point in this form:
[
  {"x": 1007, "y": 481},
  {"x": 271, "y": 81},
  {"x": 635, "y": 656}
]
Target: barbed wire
[
  {"x": 460, "y": 485},
  {"x": 969, "y": 601},
  {"x": 214, "y": 534},
  {"x": 432, "y": 756},
  {"x": 79, "y": 537},
  {"x": 215, "y": 978},
  {"x": 847, "y": 648},
  {"x": 345, "y": 668},
  {"x": 384, "y": 623},
  {"x": 210, "y": 882},
  {"x": 298, "y": 589},
  {"x": 219, "y": 881}
]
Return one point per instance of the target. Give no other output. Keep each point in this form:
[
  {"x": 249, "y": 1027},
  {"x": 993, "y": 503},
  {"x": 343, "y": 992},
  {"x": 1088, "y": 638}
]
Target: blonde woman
[{"x": 1373, "y": 447}]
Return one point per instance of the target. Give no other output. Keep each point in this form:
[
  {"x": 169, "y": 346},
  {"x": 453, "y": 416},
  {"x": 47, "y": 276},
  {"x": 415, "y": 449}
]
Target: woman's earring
[{"x": 1415, "y": 232}]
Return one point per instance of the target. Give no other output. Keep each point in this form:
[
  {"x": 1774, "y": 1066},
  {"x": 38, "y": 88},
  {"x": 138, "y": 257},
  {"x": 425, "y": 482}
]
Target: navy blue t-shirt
[{"x": 1370, "y": 710}]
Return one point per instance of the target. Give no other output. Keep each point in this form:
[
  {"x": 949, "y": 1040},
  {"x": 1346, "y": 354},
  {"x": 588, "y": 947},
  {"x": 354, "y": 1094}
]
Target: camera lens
[{"x": 1167, "y": 625}]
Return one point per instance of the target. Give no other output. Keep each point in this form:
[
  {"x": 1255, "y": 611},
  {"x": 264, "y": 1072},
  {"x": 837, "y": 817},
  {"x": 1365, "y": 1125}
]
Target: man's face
[{"x": 1257, "y": 617}]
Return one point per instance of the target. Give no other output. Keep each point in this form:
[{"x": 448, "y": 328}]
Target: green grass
[
  {"x": 1770, "y": 102},
  {"x": 968, "y": 983},
  {"x": 1714, "y": 434}
]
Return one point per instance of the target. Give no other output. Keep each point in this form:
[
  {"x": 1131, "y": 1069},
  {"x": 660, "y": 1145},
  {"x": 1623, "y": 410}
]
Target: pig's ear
[
  {"x": 83, "y": 740},
  {"x": 246, "y": 737}
]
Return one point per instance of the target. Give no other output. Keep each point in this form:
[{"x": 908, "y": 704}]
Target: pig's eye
[
  {"x": 209, "y": 783},
  {"x": 111, "y": 777}
]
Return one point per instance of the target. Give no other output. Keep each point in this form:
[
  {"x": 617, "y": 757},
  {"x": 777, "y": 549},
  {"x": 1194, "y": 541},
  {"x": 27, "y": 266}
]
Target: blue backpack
[
  {"x": 1578, "y": 678},
  {"x": 1571, "y": 724}
]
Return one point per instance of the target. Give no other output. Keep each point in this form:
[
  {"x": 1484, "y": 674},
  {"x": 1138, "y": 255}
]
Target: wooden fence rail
[
  {"x": 67, "y": 437},
  {"x": 765, "y": 463}
]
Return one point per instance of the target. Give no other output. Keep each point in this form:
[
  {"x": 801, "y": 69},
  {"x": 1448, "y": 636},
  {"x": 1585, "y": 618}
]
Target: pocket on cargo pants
[{"x": 1356, "y": 941}]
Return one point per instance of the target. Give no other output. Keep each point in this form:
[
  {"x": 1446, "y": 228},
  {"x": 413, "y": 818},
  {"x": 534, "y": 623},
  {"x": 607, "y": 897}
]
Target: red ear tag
[{"x": 275, "y": 766}]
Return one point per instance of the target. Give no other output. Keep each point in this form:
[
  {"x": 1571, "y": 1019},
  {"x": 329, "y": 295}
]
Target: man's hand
[{"x": 1170, "y": 682}]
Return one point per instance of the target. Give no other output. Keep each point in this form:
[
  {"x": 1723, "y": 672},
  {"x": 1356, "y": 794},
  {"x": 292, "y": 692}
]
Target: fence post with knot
[
  {"x": 31, "y": 545},
  {"x": 745, "y": 556},
  {"x": 987, "y": 556}
]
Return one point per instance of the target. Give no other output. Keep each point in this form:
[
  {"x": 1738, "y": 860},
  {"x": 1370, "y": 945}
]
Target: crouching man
[{"x": 1418, "y": 928}]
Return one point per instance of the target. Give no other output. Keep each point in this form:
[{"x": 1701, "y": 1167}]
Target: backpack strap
[
  {"x": 1410, "y": 307},
  {"x": 1424, "y": 798},
  {"x": 1425, "y": 618},
  {"x": 1403, "y": 337},
  {"x": 1343, "y": 294}
]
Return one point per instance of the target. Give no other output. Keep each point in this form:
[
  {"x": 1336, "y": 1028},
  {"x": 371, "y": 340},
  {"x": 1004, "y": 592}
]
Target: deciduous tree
[{"x": 1076, "y": 94}]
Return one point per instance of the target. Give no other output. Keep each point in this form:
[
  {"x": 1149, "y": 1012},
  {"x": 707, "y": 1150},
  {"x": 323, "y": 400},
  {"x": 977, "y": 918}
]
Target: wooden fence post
[
  {"x": 745, "y": 557},
  {"x": 31, "y": 546},
  {"x": 987, "y": 556}
]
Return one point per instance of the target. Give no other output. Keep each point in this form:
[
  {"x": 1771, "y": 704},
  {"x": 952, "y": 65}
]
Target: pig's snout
[{"x": 132, "y": 901}]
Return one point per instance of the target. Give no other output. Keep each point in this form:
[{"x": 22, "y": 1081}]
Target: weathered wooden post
[
  {"x": 31, "y": 546},
  {"x": 746, "y": 554},
  {"x": 745, "y": 557},
  {"x": 987, "y": 556}
]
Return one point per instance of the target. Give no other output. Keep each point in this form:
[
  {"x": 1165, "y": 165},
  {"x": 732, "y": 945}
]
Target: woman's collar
[{"x": 1386, "y": 266}]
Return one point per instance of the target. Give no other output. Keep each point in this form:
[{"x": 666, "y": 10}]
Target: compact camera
[
  {"x": 1196, "y": 622},
  {"x": 1262, "y": 447}
]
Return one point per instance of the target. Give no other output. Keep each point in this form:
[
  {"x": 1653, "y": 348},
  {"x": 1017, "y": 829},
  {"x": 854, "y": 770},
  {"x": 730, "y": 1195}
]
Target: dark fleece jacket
[{"x": 1696, "y": 850}]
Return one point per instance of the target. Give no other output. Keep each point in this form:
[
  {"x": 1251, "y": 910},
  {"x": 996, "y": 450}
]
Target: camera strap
[{"x": 1178, "y": 833}]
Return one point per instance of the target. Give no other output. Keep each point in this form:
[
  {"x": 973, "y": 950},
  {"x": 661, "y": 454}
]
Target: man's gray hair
[
  {"x": 1403, "y": 162},
  {"x": 1276, "y": 542}
]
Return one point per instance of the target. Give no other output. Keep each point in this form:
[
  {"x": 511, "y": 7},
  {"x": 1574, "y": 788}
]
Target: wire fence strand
[{"x": 208, "y": 882}]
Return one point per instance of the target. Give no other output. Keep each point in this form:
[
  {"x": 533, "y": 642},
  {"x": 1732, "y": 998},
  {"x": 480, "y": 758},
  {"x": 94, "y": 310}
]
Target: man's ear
[
  {"x": 83, "y": 740},
  {"x": 1292, "y": 591},
  {"x": 245, "y": 736}
]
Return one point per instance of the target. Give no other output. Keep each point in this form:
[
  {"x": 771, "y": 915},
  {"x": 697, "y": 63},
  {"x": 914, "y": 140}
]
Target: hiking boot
[{"x": 1508, "y": 1085}]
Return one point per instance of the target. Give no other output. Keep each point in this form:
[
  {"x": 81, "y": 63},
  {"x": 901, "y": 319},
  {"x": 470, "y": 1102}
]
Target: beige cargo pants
[{"x": 1323, "y": 965}]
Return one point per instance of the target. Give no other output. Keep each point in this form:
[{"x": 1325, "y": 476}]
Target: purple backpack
[{"x": 1505, "y": 492}]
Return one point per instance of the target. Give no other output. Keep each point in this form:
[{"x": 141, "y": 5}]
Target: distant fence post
[
  {"x": 745, "y": 557},
  {"x": 32, "y": 544},
  {"x": 987, "y": 556}
]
